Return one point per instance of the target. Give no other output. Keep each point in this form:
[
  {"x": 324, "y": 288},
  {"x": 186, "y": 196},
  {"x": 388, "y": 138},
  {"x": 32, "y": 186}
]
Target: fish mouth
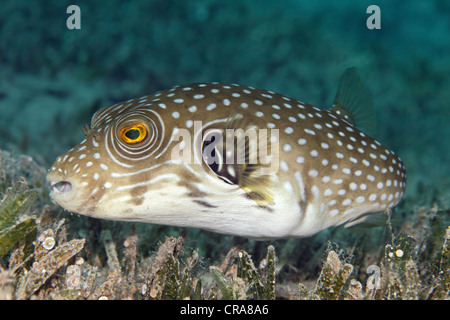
[
  {"x": 60, "y": 186},
  {"x": 66, "y": 192}
]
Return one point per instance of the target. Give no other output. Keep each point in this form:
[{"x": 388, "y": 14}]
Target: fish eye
[{"x": 134, "y": 133}]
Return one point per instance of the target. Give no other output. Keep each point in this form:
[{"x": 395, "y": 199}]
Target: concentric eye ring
[
  {"x": 135, "y": 136},
  {"x": 134, "y": 133}
]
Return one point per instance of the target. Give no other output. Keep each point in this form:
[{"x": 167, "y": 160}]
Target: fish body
[{"x": 177, "y": 157}]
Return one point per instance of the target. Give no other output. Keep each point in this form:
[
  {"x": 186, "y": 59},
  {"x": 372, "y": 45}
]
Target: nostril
[{"x": 61, "y": 186}]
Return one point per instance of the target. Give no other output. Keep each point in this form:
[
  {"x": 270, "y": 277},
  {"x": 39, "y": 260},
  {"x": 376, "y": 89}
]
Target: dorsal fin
[{"x": 353, "y": 102}]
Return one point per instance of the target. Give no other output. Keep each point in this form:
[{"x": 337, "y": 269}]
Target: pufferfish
[{"x": 231, "y": 159}]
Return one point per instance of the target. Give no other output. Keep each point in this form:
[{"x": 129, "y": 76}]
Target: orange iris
[{"x": 134, "y": 133}]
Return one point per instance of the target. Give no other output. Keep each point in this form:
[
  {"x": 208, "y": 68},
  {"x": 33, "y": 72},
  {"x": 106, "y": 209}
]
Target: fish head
[{"x": 133, "y": 165}]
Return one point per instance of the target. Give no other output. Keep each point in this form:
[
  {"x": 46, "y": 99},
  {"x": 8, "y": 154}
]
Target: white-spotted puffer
[{"x": 230, "y": 159}]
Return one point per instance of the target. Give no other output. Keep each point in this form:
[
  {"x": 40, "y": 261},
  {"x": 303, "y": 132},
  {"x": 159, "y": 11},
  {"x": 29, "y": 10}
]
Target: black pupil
[{"x": 133, "y": 134}]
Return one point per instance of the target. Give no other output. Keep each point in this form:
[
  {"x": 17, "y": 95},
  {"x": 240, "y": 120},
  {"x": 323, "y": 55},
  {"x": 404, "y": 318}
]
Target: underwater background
[{"x": 52, "y": 80}]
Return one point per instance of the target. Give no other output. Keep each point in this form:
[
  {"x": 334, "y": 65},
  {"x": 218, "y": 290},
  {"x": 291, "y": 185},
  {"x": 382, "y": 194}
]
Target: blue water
[{"x": 52, "y": 78}]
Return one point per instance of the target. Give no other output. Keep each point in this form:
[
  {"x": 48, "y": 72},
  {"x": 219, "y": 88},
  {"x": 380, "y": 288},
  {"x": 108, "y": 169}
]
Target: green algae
[
  {"x": 225, "y": 285},
  {"x": 332, "y": 281},
  {"x": 17, "y": 202},
  {"x": 248, "y": 283},
  {"x": 440, "y": 288},
  {"x": 10, "y": 236},
  {"x": 258, "y": 288},
  {"x": 45, "y": 258}
]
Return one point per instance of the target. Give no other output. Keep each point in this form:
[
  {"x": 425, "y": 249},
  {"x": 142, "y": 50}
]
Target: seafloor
[{"x": 52, "y": 79}]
